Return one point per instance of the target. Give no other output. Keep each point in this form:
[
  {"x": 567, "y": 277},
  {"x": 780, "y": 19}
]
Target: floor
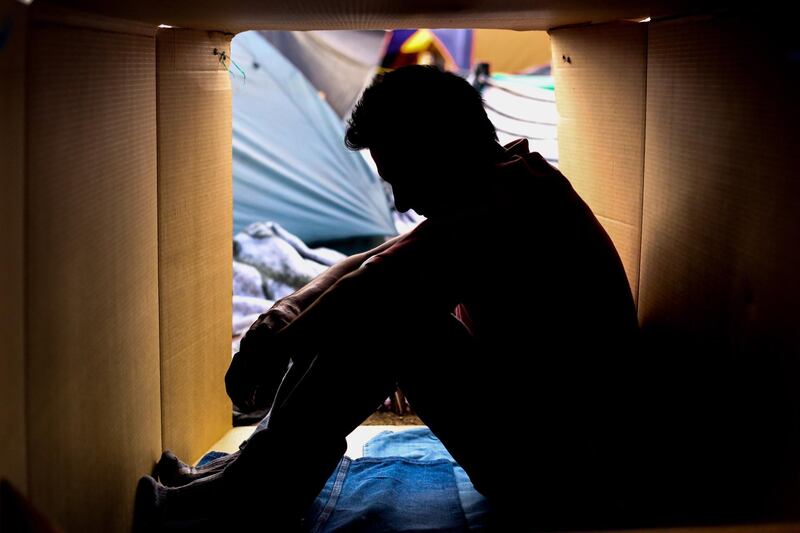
[{"x": 355, "y": 441}]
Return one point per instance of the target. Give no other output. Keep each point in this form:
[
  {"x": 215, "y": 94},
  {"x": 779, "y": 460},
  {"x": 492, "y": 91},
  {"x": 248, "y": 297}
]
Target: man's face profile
[{"x": 412, "y": 177}]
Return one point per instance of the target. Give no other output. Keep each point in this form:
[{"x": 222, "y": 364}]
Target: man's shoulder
[
  {"x": 431, "y": 240},
  {"x": 451, "y": 230}
]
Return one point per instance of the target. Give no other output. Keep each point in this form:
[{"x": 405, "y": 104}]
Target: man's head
[{"x": 429, "y": 136}]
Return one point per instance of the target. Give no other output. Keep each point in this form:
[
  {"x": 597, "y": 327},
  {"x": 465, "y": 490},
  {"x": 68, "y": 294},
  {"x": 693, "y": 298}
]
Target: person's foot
[
  {"x": 146, "y": 505},
  {"x": 220, "y": 501},
  {"x": 194, "y": 507},
  {"x": 172, "y": 472}
]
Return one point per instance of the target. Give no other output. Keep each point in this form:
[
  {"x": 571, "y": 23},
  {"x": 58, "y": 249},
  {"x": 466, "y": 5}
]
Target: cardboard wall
[
  {"x": 720, "y": 263},
  {"x": 721, "y": 196},
  {"x": 600, "y": 82},
  {"x": 13, "y": 461},
  {"x": 686, "y": 131},
  {"x": 243, "y": 15},
  {"x": 93, "y": 399},
  {"x": 195, "y": 228}
]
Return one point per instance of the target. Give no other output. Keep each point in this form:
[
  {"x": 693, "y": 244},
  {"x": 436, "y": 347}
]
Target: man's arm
[
  {"x": 345, "y": 301},
  {"x": 285, "y": 333},
  {"x": 419, "y": 276},
  {"x": 259, "y": 362},
  {"x": 297, "y": 302}
]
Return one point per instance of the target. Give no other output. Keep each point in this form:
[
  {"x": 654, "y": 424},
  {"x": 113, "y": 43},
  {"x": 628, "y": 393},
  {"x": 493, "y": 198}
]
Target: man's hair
[{"x": 420, "y": 101}]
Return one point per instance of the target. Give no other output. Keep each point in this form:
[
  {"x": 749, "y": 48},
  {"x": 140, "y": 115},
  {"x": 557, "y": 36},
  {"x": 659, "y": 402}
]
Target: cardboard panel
[
  {"x": 12, "y": 274},
  {"x": 511, "y": 51},
  {"x": 242, "y": 15},
  {"x": 719, "y": 271},
  {"x": 599, "y": 75},
  {"x": 195, "y": 228},
  {"x": 92, "y": 272},
  {"x": 721, "y": 191}
]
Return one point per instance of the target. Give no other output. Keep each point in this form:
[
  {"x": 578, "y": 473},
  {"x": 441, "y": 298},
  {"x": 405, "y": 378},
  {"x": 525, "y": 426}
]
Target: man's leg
[
  {"x": 173, "y": 472},
  {"x": 283, "y": 467},
  {"x": 450, "y": 384}
]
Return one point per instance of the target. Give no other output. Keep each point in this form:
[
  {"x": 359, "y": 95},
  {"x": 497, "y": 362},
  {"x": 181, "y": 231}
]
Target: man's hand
[{"x": 257, "y": 369}]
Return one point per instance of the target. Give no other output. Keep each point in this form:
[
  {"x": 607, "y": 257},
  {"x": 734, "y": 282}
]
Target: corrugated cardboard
[
  {"x": 12, "y": 269},
  {"x": 244, "y": 15},
  {"x": 92, "y": 272},
  {"x": 721, "y": 196},
  {"x": 599, "y": 75},
  {"x": 195, "y": 228},
  {"x": 719, "y": 271},
  {"x": 108, "y": 224}
]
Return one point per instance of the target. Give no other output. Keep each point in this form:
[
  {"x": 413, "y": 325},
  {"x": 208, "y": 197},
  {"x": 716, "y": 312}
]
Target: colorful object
[{"x": 449, "y": 49}]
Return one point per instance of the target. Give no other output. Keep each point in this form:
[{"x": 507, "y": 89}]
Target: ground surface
[{"x": 387, "y": 418}]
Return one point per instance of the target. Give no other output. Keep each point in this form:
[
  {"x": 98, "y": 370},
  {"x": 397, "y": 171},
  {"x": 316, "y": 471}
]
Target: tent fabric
[
  {"x": 337, "y": 63},
  {"x": 459, "y": 44},
  {"x": 505, "y": 50},
  {"x": 454, "y": 45},
  {"x": 511, "y": 51},
  {"x": 523, "y": 106},
  {"x": 290, "y": 164}
]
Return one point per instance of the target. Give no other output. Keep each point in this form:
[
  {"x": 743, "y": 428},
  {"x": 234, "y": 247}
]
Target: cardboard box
[
  {"x": 600, "y": 75},
  {"x": 195, "y": 228},
  {"x": 115, "y": 210},
  {"x": 93, "y": 401},
  {"x": 13, "y": 453}
]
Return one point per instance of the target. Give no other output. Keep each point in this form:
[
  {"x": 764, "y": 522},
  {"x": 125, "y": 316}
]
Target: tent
[
  {"x": 460, "y": 49},
  {"x": 449, "y": 48},
  {"x": 511, "y": 51},
  {"x": 290, "y": 164},
  {"x": 337, "y": 63},
  {"x": 523, "y": 106}
]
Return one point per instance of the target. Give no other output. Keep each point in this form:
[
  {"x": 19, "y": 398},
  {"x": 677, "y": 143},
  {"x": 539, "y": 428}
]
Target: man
[{"x": 510, "y": 294}]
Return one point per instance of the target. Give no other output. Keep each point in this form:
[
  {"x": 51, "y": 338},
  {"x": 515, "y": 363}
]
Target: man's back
[
  {"x": 532, "y": 267},
  {"x": 539, "y": 284}
]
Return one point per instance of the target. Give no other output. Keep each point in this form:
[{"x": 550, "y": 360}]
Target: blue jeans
[{"x": 380, "y": 494}]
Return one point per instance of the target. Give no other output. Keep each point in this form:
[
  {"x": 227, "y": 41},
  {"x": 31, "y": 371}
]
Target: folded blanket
[
  {"x": 270, "y": 263},
  {"x": 283, "y": 260},
  {"x": 247, "y": 281}
]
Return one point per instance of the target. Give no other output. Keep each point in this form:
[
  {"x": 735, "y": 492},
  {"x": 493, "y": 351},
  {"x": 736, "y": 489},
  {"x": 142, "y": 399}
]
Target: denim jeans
[
  {"x": 423, "y": 445},
  {"x": 389, "y": 494},
  {"x": 415, "y": 474}
]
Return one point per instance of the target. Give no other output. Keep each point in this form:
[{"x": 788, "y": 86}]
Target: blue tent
[
  {"x": 290, "y": 164},
  {"x": 338, "y": 63}
]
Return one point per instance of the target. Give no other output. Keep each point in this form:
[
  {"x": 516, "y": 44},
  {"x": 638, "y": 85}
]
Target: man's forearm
[
  {"x": 301, "y": 299},
  {"x": 345, "y": 301}
]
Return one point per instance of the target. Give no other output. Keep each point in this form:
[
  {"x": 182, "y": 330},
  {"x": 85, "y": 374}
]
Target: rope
[
  {"x": 539, "y": 122},
  {"x": 517, "y": 93}
]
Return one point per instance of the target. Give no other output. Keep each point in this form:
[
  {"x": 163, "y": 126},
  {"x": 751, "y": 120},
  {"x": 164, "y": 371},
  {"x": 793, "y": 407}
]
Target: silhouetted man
[{"x": 510, "y": 294}]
